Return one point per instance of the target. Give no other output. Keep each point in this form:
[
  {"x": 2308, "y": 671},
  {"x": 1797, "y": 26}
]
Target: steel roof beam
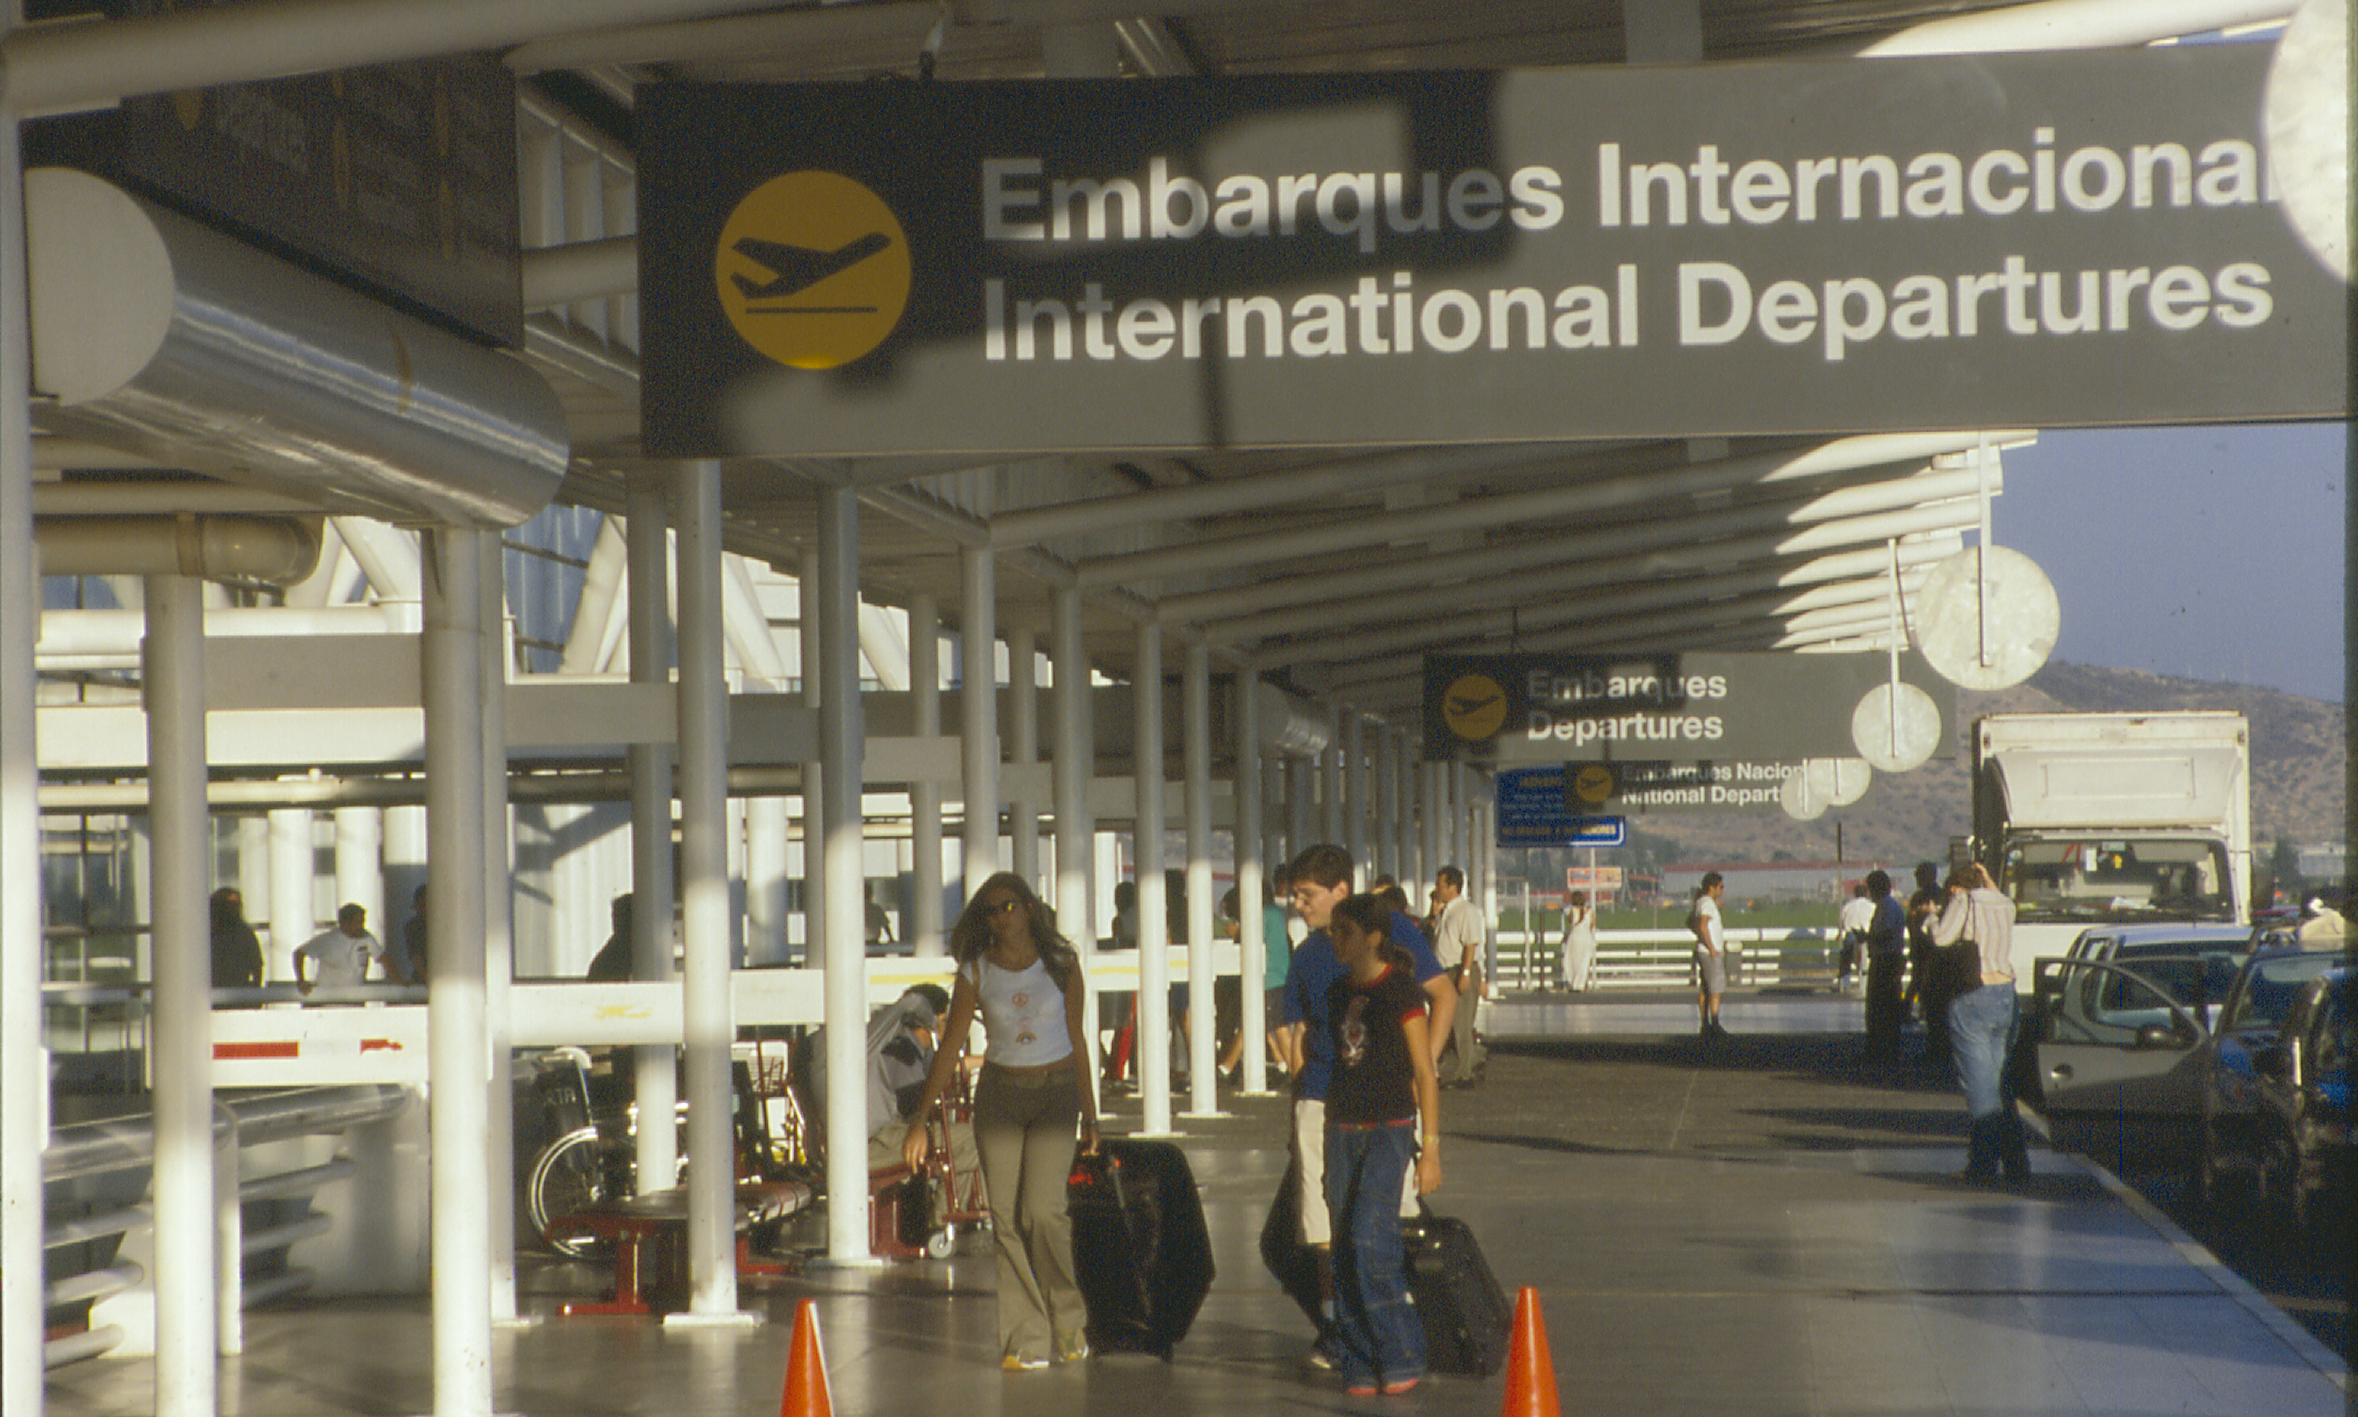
[
  {"x": 1520, "y": 508},
  {"x": 1032, "y": 525},
  {"x": 1897, "y": 507},
  {"x": 68, "y": 67}
]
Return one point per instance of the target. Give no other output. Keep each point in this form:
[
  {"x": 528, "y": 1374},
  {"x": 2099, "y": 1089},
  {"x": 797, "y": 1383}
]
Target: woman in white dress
[{"x": 1580, "y": 942}]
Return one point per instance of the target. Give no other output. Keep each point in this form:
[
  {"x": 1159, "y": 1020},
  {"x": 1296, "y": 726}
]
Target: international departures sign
[
  {"x": 1662, "y": 732},
  {"x": 2040, "y": 240}
]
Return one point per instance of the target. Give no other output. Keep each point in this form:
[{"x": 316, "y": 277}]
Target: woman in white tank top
[{"x": 1035, "y": 1101}]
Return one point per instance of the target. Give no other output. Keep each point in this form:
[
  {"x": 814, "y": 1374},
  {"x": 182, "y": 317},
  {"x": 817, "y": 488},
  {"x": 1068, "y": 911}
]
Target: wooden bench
[{"x": 649, "y": 1234}]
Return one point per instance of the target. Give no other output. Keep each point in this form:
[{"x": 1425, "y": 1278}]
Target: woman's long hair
[
  {"x": 972, "y": 934},
  {"x": 1372, "y": 917}
]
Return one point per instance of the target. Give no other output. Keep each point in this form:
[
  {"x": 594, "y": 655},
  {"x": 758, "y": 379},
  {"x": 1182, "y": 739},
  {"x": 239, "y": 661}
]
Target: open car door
[{"x": 2119, "y": 1063}]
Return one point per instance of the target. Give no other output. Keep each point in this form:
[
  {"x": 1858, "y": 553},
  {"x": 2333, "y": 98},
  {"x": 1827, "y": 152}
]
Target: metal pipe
[
  {"x": 1151, "y": 1040},
  {"x": 1076, "y": 764},
  {"x": 93, "y": 1284},
  {"x": 1507, "y": 509},
  {"x": 61, "y": 68},
  {"x": 24, "y": 1071},
  {"x": 392, "y": 558},
  {"x": 2073, "y": 24},
  {"x": 842, "y": 746},
  {"x": 277, "y": 551},
  {"x": 978, "y": 701},
  {"x": 704, "y": 892},
  {"x": 173, "y": 685},
  {"x": 579, "y": 270},
  {"x": 450, "y": 663},
  {"x": 1252, "y": 891},
  {"x": 182, "y": 343},
  {"x": 924, "y": 927},
  {"x": 655, "y": 1066},
  {"x": 1203, "y": 1042},
  {"x": 73, "y": 1348}
]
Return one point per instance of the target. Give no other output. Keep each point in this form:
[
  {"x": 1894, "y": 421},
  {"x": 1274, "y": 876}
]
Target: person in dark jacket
[{"x": 237, "y": 953}]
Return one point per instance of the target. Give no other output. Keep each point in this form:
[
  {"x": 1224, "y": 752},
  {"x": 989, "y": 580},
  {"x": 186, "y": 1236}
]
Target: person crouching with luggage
[
  {"x": 1383, "y": 1083},
  {"x": 1033, "y": 1094}
]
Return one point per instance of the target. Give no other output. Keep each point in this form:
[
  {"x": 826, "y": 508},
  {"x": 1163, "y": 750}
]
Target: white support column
[
  {"x": 769, "y": 835},
  {"x": 979, "y": 699},
  {"x": 1252, "y": 892},
  {"x": 1387, "y": 805},
  {"x": 1076, "y": 763},
  {"x": 1023, "y": 746},
  {"x": 1151, "y": 1045},
  {"x": 1355, "y": 804},
  {"x": 458, "y": 1071},
  {"x": 1410, "y": 865},
  {"x": 1330, "y": 791},
  {"x": 704, "y": 898},
  {"x": 1278, "y": 845},
  {"x": 656, "y": 1065},
  {"x": 1298, "y": 795},
  {"x": 360, "y": 865},
  {"x": 842, "y": 744},
  {"x": 810, "y": 639},
  {"x": 181, "y": 1056},
  {"x": 1429, "y": 817},
  {"x": 24, "y": 1070},
  {"x": 293, "y": 916},
  {"x": 1203, "y": 1039},
  {"x": 499, "y": 919},
  {"x": 924, "y": 925}
]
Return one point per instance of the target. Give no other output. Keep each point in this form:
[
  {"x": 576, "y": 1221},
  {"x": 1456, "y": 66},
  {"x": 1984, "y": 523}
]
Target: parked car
[
  {"x": 2133, "y": 1066},
  {"x": 2304, "y": 1105},
  {"x": 2228, "y": 1141}
]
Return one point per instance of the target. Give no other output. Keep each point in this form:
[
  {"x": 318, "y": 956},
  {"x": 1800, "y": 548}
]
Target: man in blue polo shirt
[{"x": 1321, "y": 881}]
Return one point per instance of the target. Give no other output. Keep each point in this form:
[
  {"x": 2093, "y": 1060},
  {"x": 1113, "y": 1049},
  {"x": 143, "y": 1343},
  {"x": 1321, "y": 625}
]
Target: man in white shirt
[
  {"x": 1711, "y": 948},
  {"x": 1856, "y": 918},
  {"x": 1457, "y": 943},
  {"x": 338, "y": 958}
]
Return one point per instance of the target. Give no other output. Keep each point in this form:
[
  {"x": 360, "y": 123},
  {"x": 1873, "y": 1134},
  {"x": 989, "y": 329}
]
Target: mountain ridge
[{"x": 2299, "y": 774}]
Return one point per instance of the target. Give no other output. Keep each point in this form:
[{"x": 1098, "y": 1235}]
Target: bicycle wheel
[{"x": 569, "y": 1175}]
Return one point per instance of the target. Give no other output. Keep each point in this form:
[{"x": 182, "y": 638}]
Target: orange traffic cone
[
  {"x": 806, "y": 1370},
  {"x": 1531, "y": 1373}
]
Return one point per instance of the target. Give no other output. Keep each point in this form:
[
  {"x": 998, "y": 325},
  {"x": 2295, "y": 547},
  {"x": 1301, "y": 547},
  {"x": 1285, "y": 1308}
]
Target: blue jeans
[
  {"x": 1981, "y": 1024},
  {"x": 1383, "y": 1340}
]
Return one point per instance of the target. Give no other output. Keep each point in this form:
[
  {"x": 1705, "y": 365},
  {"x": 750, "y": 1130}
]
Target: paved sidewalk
[{"x": 1752, "y": 1228}]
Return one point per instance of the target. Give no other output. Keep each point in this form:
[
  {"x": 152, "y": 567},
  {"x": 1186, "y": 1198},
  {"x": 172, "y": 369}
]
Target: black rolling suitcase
[
  {"x": 1141, "y": 1252},
  {"x": 1292, "y": 1263},
  {"x": 1465, "y": 1313}
]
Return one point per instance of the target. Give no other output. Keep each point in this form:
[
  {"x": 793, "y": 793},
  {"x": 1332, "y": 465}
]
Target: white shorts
[{"x": 1310, "y": 1165}]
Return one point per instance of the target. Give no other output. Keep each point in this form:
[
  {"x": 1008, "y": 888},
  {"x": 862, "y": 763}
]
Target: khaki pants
[{"x": 1026, "y": 1126}]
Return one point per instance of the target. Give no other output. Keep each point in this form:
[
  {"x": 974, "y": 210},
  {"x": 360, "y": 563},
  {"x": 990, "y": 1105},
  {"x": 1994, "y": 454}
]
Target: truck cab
[{"x": 2105, "y": 819}]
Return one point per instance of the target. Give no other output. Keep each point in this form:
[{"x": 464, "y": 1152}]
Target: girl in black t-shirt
[{"x": 1383, "y": 1081}]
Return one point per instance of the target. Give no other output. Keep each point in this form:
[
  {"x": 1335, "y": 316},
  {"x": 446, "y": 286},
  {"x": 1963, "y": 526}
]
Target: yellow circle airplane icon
[
  {"x": 813, "y": 270},
  {"x": 1474, "y": 707},
  {"x": 1593, "y": 784}
]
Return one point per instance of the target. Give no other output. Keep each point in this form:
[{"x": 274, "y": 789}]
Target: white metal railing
[
  {"x": 124, "y": 1143},
  {"x": 1759, "y": 957}
]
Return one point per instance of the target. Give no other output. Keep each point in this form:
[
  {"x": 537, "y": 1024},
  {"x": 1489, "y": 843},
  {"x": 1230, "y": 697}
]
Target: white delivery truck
[{"x": 2112, "y": 818}]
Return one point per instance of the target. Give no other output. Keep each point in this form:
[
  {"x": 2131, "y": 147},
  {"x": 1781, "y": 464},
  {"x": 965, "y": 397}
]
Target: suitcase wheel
[{"x": 942, "y": 1243}]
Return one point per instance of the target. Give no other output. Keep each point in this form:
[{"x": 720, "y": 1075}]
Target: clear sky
[{"x": 2209, "y": 553}]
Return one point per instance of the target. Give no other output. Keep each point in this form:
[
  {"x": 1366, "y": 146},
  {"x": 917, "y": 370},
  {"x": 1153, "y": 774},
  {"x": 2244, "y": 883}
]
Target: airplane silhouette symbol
[
  {"x": 1460, "y": 705},
  {"x": 797, "y": 268}
]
